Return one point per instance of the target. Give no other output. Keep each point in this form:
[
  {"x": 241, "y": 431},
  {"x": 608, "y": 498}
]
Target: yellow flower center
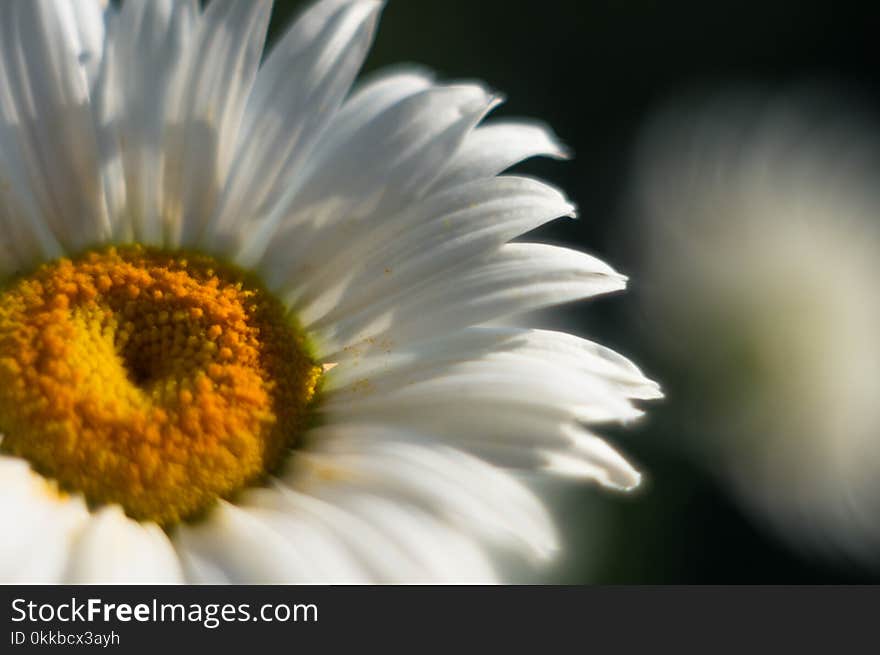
[{"x": 159, "y": 381}]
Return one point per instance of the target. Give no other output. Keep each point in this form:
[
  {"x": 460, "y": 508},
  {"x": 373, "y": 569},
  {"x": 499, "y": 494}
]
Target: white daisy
[
  {"x": 761, "y": 214},
  {"x": 239, "y": 321}
]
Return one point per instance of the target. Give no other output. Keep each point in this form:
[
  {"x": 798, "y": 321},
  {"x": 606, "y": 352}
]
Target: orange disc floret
[{"x": 159, "y": 381}]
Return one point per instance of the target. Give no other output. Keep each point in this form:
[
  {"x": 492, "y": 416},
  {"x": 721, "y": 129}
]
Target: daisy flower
[
  {"x": 245, "y": 317},
  {"x": 762, "y": 217}
]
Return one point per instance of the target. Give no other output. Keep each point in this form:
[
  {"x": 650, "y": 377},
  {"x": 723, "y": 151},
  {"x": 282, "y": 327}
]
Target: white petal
[
  {"x": 374, "y": 556},
  {"x": 428, "y": 359},
  {"x": 593, "y": 459},
  {"x": 457, "y": 487},
  {"x": 545, "y": 388},
  {"x": 235, "y": 545},
  {"x": 517, "y": 278},
  {"x": 373, "y": 95},
  {"x": 48, "y": 139},
  {"x": 147, "y": 50},
  {"x": 25, "y": 237},
  {"x": 385, "y": 164},
  {"x": 113, "y": 549},
  {"x": 39, "y": 526},
  {"x": 491, "y": 149},
  {"x": 444, "y": 554},
  {"x": 199, "y": 569},
  {"x": 297, "y": 93},
  {"x": 397, "y": 541},
  {"x": 88, "y": 17},
  {"x": 506, "y": 435},
  {"x": 206, "y": 112},
  {"x": 589, "y": 357},
  {"x": 439, "y": 234},
  {"x": 174, "y": 92},
  {"x": 469, "y": 389}
]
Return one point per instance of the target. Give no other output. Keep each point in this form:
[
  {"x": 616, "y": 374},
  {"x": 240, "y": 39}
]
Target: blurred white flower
[
  {"x": 761, "y": 233},
  {"x": 283, "y": 372}
]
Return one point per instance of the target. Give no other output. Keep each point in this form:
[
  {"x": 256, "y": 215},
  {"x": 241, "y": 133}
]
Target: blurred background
[{"x": 726, "y": 159}]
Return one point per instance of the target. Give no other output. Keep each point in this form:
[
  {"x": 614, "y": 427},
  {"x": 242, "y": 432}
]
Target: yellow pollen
[{"x": 159, "y": 381}]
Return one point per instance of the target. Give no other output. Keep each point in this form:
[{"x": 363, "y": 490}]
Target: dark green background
[{"x": 595, "y": 70}]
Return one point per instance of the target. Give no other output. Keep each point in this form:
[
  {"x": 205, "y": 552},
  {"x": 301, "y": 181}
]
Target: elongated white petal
[
  {"x": 586, "y": 356},
  {"x": 517, "y": 278},
  {"x": 444, "y": 554},
  {"x": 504, "y": 435},
  {"x": 140, "y": 81},
  {"x": 393, "y": 540},
  {"x": 39, "y": 526},
  {"x": 468, "y": 389},
  {"x": 206, "y": 112},
  {"x": 459, "y": 488},
  {"x": 440, "y": 234},
  {"x": 372, "y": 554},
  {"x": 297, "y": 93},
  {"x": 113, "y": 549},
  {"x": 22, "y": 241},
  {"x": 88, "y": 18},
  {"x": 547, "y": 387},
  {"x": 430, "y": 358},
  {"x": 371, "y": 99},
  {"x": 391, "y": 160},
  {"x": 48, "y": 138},
  {"x": 593, "y": 459},
  {"x": 234, "y": 545},
  {"x": 373, "y": 95},
  {"x": 493, "y": 148},
  {"x": 175, "y": 91}
]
